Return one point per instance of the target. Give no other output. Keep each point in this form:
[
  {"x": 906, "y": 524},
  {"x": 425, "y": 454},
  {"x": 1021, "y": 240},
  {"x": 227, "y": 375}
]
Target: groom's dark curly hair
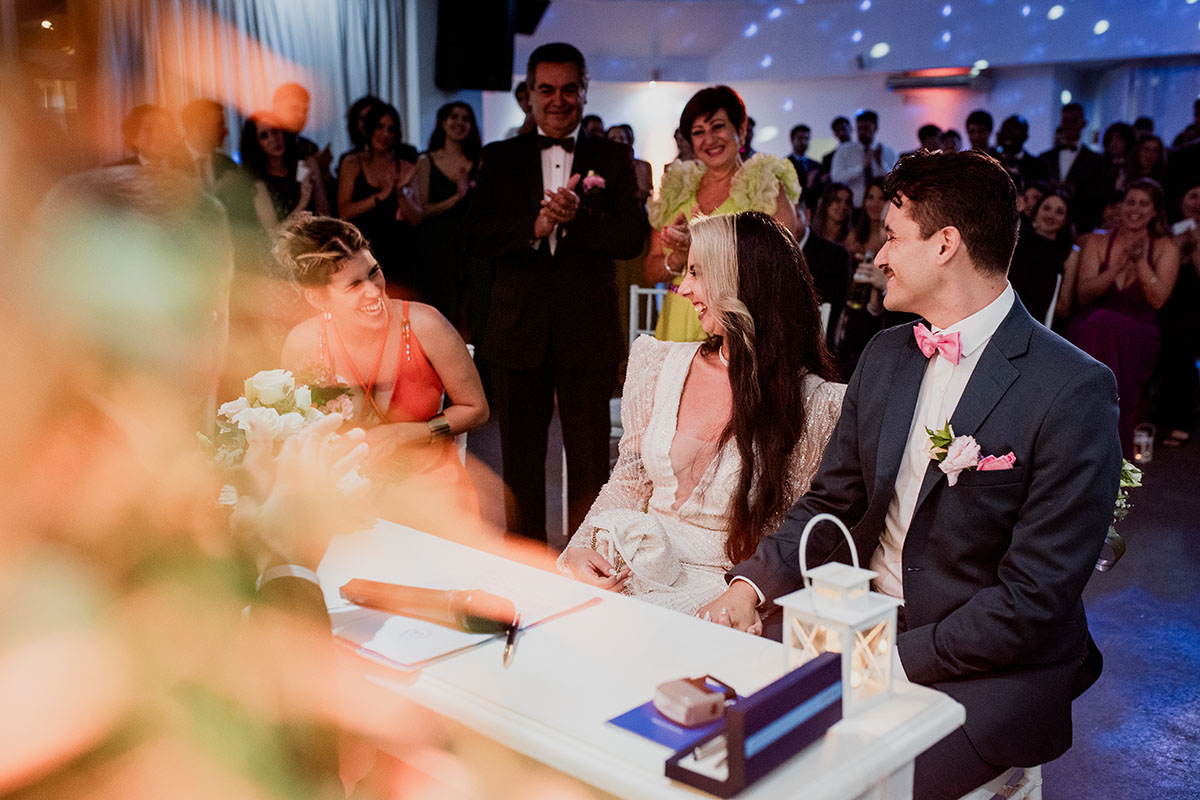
[{"x": 967, "y": 190}]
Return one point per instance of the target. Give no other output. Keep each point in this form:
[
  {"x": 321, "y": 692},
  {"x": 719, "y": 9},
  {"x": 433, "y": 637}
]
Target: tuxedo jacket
[
  {"x": 994, "y": 566},
  {"x": 1088, "y": 182},
  {"x": 565, "y": 301}
]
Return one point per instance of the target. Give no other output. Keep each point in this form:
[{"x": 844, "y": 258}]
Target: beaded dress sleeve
[{"x": 629, "y": 486}]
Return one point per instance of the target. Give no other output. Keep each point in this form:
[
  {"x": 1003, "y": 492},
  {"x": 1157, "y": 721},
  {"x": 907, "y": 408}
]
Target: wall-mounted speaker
[{"x": 475, "y": 41}]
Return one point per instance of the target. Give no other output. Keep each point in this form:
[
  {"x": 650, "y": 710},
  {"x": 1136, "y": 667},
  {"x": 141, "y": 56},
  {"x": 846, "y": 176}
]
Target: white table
[{"x": 572, "y": 674}]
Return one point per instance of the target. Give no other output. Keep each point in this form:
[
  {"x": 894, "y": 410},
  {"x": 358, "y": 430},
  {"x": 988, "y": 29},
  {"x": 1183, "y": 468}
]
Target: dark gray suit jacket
[{"x": 993, "y": 567}]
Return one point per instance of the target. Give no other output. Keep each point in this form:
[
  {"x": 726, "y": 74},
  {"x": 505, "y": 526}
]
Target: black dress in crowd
[
  {"x": 1036, "y": 264},
  {"x": 391, "y": 239},
  {"x": 445, "y": 270}
]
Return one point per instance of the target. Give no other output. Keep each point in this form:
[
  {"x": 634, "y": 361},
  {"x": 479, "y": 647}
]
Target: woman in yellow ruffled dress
[{"x": 717, "y": 182}]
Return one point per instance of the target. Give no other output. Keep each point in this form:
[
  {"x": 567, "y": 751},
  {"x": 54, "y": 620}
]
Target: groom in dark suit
[
  {"x": 990, "y": 561},
  {"x": 552, "y": 210}
]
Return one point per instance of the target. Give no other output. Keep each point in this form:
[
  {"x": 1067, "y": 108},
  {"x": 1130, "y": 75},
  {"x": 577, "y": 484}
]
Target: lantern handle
[{"x": 804, "y": 544}]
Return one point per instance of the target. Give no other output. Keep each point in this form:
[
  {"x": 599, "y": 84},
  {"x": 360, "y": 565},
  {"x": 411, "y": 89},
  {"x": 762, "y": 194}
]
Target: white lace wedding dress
[{"x": 678, "y": 555}]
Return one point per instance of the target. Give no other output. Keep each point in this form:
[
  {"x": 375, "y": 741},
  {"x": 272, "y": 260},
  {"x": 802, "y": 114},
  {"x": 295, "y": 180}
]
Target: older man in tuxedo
[
  {"x": 552, "y": 210},
  {"x": 991, "y": 561}
]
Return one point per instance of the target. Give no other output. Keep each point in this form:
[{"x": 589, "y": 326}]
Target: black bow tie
[
  {"x": 1072, "y": 147},
  {"x": 566, "y": 143}
]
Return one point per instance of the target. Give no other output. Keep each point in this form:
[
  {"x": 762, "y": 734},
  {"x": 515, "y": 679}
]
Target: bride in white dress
[{"x": 721, "y": 436}]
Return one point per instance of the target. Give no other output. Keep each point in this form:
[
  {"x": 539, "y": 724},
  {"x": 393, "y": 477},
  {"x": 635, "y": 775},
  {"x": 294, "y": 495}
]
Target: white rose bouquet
[
  {"x": 1114, "y": 543},
  {"x": 274, "y": 406}
]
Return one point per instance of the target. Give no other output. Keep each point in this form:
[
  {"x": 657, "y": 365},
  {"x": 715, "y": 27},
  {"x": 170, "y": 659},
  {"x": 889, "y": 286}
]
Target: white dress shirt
[
  {"x": 556, "y": 170},
  {"x": 1066, "y": 160},
  {"x": 941, "y": 389},
  {"x": 847, "y": 167}
]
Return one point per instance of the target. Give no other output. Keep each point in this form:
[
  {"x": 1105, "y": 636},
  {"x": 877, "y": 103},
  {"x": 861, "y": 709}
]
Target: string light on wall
[
  {"x": 856, "y": 36},
  {"x": 766, "y": 61},
  {"x": 865, "y": 5},
  {"x": 1025, "y": 11},
  {"x": 1055, "y": 12},
  {"x": 774, "y": 13},
  {"x": 1100, "y": 28},
  {"x": 751, "y": 30},
  {"x": 947, "y": 10},
  {"x": 880, "y": 49},
  {"x": 945, "y": 37}
]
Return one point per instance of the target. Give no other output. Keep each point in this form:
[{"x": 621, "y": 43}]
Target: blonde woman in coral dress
[
  {"x": 717, "y": 182},
  {"x": 721, "y": 436}
]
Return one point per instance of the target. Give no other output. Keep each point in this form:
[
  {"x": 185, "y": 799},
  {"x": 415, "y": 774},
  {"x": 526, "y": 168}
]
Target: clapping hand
[
  {"x": 677, "y": 235},
  {"x": 404, "y": 173},
  {"x": 1127, "y": 273},
  {"x": 677, "y": 239},
  {"x": 588, "y": 566},
  {"x": 558, "y": 208},
  {"x": 324, "y": 159},
  {"x": 308, "y": 181},
  {"x": 561, "y": 204}
]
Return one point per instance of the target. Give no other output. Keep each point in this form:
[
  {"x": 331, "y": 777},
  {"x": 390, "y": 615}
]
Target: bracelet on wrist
[{"x": 439, "y": 428}]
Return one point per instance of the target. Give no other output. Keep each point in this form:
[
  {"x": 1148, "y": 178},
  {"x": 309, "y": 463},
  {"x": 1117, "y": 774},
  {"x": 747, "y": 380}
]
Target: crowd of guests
[
  {"x": 1098, "y": 257},
  {"x": 767, "y": 395}
]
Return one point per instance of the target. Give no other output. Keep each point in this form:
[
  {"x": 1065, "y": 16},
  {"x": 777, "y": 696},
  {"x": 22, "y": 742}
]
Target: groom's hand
[{"x": 736, "y": 608}]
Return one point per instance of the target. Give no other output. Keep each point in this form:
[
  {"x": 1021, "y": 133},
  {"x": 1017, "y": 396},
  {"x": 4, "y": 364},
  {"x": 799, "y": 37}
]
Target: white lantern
[{"x": 837, "y": 612}]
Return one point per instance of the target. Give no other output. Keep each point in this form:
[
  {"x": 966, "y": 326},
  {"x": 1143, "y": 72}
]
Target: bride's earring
[{"x": 327, "y": 315}]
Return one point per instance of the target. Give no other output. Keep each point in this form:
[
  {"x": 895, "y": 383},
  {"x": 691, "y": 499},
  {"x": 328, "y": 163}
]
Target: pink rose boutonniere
[
  {"x": 957, "y": 453},
  {"x": 592, "y": 182}
]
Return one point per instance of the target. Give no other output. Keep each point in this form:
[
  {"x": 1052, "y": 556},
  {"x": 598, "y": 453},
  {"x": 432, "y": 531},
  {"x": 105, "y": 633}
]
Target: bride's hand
[
  {"x": 589, "y": 566},
  {"x": 735, "y": 608}
]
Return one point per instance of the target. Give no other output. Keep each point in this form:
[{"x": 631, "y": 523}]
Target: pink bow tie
[{"x": 948, "y": 345}]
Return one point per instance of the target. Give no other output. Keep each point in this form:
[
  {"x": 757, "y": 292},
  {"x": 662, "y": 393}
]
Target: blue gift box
[{"x": 767, "y": 728}]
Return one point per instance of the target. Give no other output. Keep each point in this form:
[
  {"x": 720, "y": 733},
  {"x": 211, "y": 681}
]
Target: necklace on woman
[{"x": 368, "y": 387}]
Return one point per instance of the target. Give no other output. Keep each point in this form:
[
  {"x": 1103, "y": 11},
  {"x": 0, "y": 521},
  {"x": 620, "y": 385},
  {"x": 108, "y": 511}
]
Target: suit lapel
[
  {"x": 531, "y": 154},
  {"x": 582, "y": 162},
  {"x": 898, "y": 412},
  {"x": 992, "y": 377},
  {"x": 1072, "y": 175}
]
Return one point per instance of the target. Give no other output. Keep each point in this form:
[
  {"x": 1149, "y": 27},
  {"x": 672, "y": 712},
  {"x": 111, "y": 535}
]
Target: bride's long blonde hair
[{"x": 757, "y": 282}]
